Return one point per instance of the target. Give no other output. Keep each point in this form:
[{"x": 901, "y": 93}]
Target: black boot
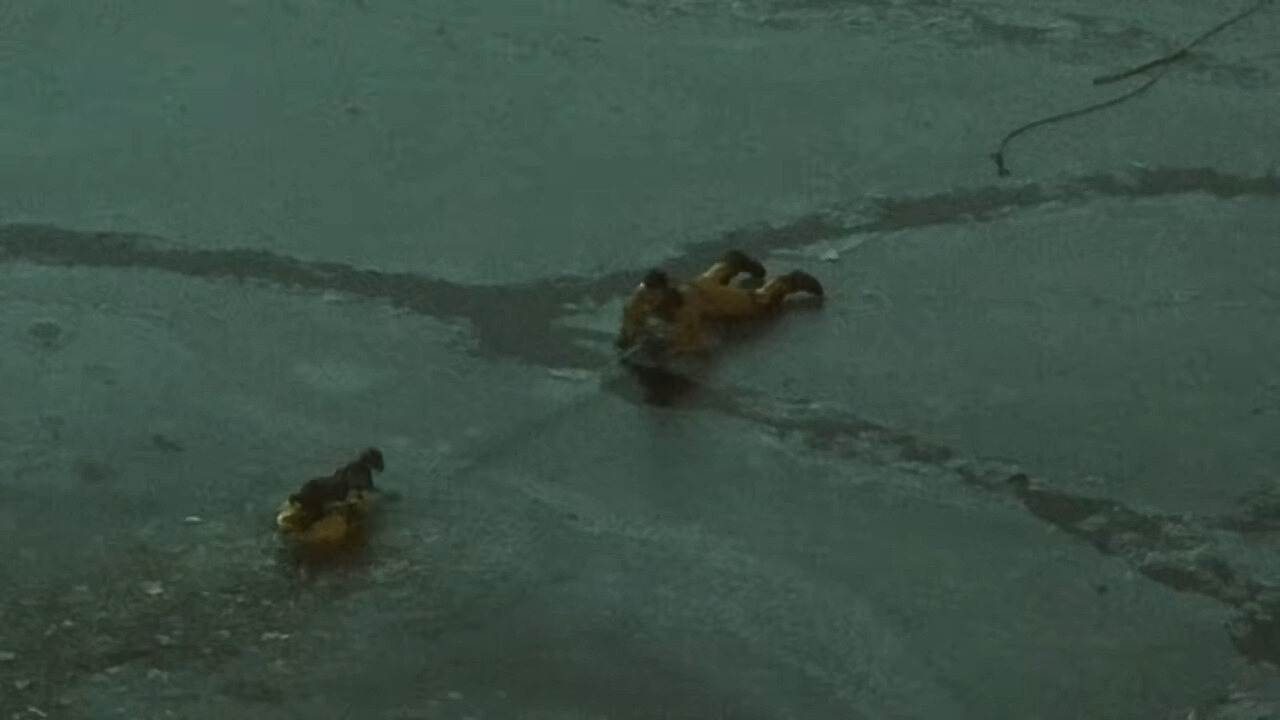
[
  {"x": 800, "y": 281},
  {"x": 743, "y": 262}
]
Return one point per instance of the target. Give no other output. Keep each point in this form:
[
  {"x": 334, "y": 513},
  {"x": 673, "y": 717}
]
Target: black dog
[{"x": 318, "y": 493}]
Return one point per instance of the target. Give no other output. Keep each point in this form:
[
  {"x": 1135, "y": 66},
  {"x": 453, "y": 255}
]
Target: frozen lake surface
[{"x": 1021, "y": 464}]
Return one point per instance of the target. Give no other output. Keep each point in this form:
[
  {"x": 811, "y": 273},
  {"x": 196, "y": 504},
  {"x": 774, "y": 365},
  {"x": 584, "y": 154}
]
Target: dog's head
[{"x": 372, "y": 458}]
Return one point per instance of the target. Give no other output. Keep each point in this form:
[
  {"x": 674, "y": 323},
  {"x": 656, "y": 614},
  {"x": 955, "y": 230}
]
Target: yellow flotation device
[{"x": 339, "y": 524}]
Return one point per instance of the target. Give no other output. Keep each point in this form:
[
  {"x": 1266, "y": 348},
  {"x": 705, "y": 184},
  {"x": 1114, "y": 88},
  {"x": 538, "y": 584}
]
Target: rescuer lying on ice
[{"x": 681, "y": 319}]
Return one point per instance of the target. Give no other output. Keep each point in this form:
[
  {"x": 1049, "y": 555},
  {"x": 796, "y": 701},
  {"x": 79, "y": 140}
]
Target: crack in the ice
[
  {"x": 504, "y": 333},
  {"x": 1181, "y": 552}
]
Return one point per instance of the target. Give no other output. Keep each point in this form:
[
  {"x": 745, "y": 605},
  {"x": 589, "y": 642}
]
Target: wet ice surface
[{"x": 1018, "y": 465}]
